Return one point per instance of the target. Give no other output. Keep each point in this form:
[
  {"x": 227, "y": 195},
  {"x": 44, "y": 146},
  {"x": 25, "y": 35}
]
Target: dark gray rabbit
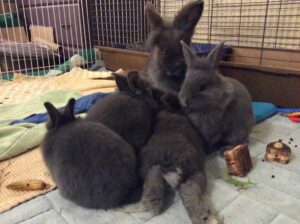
[
  {"x": 126, "y": 112},
  {"x": 174, "y": 158},
  {"x": 166, "y": 66},
  {"x": 91, "y": 165},
  {"x": 218, "y": 106}
]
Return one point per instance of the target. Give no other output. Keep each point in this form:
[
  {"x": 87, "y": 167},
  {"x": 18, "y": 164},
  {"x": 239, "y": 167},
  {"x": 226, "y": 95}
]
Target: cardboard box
[
  {"x": 14, "y": 34},
  {"x": 43, "y": 35},
  {"x": 41, "y": 32}
]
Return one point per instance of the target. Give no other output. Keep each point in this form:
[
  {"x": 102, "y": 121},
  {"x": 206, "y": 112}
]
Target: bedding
[{"x": 17, "y": 139}]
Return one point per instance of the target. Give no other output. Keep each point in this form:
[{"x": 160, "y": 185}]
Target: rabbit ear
[
  {"x": 69, "y": 109},
  {"x": 137, "y": 82},
  {"x": 170, "y": 101},
  {"x": 121, "y": 82},
  {"x": 215, "y": 55},
  {"x": 189, "y": 54},
  {"x": 156, "y": 94},
  {"x": 133, "y": 78},
  {"x": 54, "y": 115},
  {"x": 188, "y": 17},
  {"x": 153, "y": 17}
]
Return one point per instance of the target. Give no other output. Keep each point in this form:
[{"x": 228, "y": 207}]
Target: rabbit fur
[
  {"x": 126, "y": 112},
  {"x": 166, "y": 66},
  {"x": 174, "y": 158},
  {"x": 218, "y": 106},
  {"x": 91, "y": 165}
]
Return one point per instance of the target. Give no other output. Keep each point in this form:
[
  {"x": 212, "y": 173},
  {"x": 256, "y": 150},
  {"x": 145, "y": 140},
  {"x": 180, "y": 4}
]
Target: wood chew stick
[
  {"x": 238, "y": 160},
  {"x": 28, "y": 185}
]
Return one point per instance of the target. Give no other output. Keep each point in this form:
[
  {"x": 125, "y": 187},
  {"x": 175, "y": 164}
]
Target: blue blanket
[
  {"x": 82, "y": 105},
  {"x": 261, "y": 110}
]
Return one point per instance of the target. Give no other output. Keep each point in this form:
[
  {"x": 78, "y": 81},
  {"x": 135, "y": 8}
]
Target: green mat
[{"x": 16, "y": 139}]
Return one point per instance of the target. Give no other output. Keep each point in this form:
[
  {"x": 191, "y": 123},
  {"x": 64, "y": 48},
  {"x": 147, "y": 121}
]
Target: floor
[{"x": 274, "y": 200}]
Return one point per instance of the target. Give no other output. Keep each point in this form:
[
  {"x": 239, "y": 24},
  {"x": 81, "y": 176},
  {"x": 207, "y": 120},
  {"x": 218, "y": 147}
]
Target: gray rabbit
[
  {"x": 174, "y": 158},
  {"x": 91, "y": 165},
  {"x": 218, "y": 106},
  {"x": 126, "y": 112},
  {"x": 166, "y": 66}
]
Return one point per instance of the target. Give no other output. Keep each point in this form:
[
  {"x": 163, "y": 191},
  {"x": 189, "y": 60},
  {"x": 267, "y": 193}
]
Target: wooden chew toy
[
  {"x": 28, "y": 185},
  {"x": 278, "y": 152},
  {"x": 238, "y": 160}
]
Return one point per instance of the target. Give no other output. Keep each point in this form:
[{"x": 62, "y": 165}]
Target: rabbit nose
[
  {"x": 183, "y": 101},
  {"x": 170, "y": 73},
  {"x": 173, "y": 71},
  {"x": 183, "y": 104}
]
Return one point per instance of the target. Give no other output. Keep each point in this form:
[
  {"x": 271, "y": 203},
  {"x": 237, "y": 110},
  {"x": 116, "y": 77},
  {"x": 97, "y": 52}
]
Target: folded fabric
[
  {"x": 284, "y": 111},
  {"x": 292, "y": 113},
  {"x": 262, "y": 110},
  {"x": 19, "y": 138},
  {"x": 82, "y": 105},
  {"x": 10, "y": 112}
]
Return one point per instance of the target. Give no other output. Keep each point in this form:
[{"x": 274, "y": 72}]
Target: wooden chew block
[
  {"x": 238, "y": 160},
  {"x": 278, "y": 152}
]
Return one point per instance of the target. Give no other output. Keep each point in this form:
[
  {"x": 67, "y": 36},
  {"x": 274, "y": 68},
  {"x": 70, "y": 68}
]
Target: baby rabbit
[
  {"x": 166, "y": 66},
  {"x": 91, "y": 165},
  {"x": 218, "y": 106},
  {"x": 126, "y": 112},
  {"x": 174, "y": 157}
]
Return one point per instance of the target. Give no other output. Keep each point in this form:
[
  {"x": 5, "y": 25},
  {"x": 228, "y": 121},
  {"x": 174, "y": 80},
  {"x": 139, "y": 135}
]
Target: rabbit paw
[
  {"x": 211, "y": 220},
  {"x": 153, "y": 204},
  {"x": 204, "y": 218}
]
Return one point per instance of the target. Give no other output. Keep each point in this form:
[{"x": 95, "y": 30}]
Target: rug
[
  {"x": 25, "y": 87},
  {"x": 29, "y": 165}
]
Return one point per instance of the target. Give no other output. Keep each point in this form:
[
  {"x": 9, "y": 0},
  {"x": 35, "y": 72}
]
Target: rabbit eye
[
  {"x": 162, "y": 51},
  {"x": 202, "y": 87}
]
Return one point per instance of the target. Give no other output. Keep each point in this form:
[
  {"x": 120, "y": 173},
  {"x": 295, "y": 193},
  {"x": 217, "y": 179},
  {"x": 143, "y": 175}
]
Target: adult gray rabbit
[
  {"x": 126, "y": 112},
  {"x": 91, "y": 165},
  {"x": 166, "y": 66},
  {"x": 218, "y": 106},
  {"x": 174, "y": 158}
]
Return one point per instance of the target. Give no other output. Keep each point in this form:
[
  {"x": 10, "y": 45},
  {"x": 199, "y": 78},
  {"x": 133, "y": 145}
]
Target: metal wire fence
[
  {"x": 262, "y": 32},
  {"x": 42, "y": 37},
  {"x": 118, "y": 23},
  {"x": 252, "y": 23}
]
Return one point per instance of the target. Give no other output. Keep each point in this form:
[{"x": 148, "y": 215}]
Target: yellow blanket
[{"x": 24, "y": 87}]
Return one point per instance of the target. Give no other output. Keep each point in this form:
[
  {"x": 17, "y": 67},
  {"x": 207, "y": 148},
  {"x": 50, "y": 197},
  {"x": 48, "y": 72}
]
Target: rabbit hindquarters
[
  {"x": 155, "y": 191},
  {"x": 91, "y": 165},
  {"x": 128, "y": 113}
]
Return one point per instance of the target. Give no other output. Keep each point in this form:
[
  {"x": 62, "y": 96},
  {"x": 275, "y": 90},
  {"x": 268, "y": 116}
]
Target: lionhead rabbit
[
  {"x": 166, "y": 67},
  {"x": 91, "y": 165},
  {"x": 174, "y": 158},
  {"x": 218, "y": 106},
  {"x": 126, "y": 112}
]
